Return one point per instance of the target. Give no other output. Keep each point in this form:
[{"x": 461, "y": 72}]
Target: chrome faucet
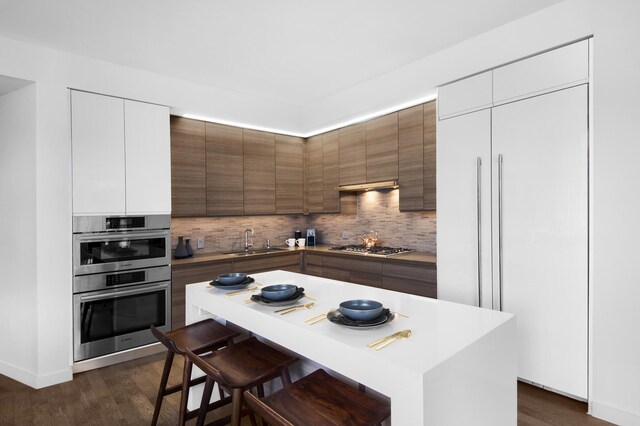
[{"x": 248, "y": 244}]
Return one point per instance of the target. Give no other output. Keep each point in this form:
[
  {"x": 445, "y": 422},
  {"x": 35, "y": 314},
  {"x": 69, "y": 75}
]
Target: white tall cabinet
[
  {"x": 512, "y": 202},
  {"x": 121, "y": 156}
]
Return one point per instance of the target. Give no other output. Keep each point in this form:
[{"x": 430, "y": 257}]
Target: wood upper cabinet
[
  {"x": 330, "y": 169},
  {"x": 225, "y": 170},
  {"x": 259, "y": 172},
  {"x": 382, "y": 148},
  {"x": 289, "y": 175},
  {"x": 411, "y": 158},
  {"x": 315, "y": 182},
  {"x": 353, "y": 154},
  {"x": 417, "y": 157},
  {"x": 188, "y": 167},
  {"x": 430, "y": 155}
]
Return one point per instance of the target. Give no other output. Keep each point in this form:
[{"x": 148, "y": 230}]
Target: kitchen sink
[{"x": 256, "y": 251}]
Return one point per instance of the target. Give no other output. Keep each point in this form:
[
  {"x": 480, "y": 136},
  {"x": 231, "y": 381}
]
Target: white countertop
[{"x": 440, "y": 331}]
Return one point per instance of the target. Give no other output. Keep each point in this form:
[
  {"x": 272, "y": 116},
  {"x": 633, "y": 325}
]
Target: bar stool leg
[
  {"x": 186, "y": 379},
  {"x": 163, "y": 386},
  {"x": 236, "y": 406},
  {"x": 204, "y": 404},
  {"x": 284, "y": 376}
]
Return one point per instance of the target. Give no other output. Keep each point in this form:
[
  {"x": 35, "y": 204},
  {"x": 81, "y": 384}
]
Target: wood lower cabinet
[
  {"x": 182, "y": 276},
  {"x": 188, "y": 167},
  {"x": 288, "y": 262},
  {"x": 259, "y": 172},
  {"x": 289, "y": 175},
  {"x": 225, "y": 170},
  {"x": 419, "y": 279},
  {"x": 382, "y": 148}
]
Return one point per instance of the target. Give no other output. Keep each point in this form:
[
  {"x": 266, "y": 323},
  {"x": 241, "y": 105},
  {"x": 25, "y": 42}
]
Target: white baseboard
[
  {"x": 54, "y": 378},
  {"x": 614, "y": 415},
  {"x": 18, "y": 374},
  {"x": 33, "y": 380}
]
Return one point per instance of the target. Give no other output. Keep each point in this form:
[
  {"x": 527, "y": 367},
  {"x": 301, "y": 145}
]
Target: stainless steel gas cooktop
[{"x": 373, "y": 251}]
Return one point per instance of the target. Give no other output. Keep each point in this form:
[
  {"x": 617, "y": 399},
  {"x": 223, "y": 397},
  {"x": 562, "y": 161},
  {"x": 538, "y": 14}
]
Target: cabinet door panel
[
  {"x": 464, "y": 96},
  {"x": 411, "y": 158},
  {"x": 289, "y": 174},
  {"x": 403, "y": 285},
  {"x": 430, "y": 166},
  {"x": 542, "y": 276},
  {"x": 259, "y": 172},
  {"x": 463, "y": 261},
  {"x": 148, "y": 158},
  {"x": 382, "y": 148},
  {"x": 184, "y": 276},
  {"x": 188, "y": 167},
  {"x": 353, "y": 154},
  {"x": 97, "y": 129},
  {"x": 548, "y": 71},
  {"x": 315, "y": 180},
  {"x": 289, "y": 262},
  {"x": 225, "y": 170},
  {"x": 330, "y": 172}
]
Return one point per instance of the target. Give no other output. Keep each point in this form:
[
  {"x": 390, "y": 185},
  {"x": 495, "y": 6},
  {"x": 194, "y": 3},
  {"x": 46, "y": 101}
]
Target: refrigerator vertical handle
[
  {"x": 500, "y": 268},
  {"x": 479, "y": 214}
]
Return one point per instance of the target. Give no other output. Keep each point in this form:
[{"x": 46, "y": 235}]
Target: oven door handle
[
  {"x": 120, "y": 236},
  {"x": 114, "y": 294}
]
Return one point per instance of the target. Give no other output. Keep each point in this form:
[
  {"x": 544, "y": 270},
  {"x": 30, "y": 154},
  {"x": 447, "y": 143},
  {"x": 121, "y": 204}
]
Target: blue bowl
[
  {"x": 232, "y": 279},
  {"x": 361, "y": 309},
  {"x": 279, "y": 291}
]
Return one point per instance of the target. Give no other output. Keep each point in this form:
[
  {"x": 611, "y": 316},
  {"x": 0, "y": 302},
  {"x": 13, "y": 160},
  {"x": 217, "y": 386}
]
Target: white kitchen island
[{"x": 457, "y": 368}]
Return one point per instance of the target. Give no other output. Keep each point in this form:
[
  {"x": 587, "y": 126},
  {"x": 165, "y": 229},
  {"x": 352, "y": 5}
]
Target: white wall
[{"x": 18, "y": 284}]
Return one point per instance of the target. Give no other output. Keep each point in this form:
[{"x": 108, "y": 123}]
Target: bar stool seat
[
  {"x": 200, "y": 337},
  {"x": 319, "y": 399},
  {"x": 243, "y": 366}
]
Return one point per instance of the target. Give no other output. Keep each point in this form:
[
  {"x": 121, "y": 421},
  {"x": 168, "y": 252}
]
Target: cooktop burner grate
[{"x": 374, "y": 251}]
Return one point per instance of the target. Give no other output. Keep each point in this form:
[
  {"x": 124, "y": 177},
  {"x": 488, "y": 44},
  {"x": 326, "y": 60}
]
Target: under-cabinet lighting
[
  {"x": 387, "y": 184},
  {"x": 358, "y": 119}
]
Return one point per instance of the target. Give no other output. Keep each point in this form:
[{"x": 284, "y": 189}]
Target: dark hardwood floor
[{"x": 124, "y": 394}]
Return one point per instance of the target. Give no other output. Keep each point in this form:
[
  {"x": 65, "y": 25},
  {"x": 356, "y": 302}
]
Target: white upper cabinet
[
  {"x": 557, "y": 69},
  {"x": 464, "y": 96},
  {"x": 97, "y": 128},
  {"x": 148, "y": 158},
  {"x": 121, "y": 156}
]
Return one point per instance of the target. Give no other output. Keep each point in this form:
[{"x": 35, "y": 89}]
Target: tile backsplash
[{"x": 377, "y": 211}]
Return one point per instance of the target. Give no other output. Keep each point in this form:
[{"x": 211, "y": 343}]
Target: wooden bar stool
[
  {"x": 238, "y": 368},
  {"x": 199, "y": 337},
  {"x": 319, "y": 399}
]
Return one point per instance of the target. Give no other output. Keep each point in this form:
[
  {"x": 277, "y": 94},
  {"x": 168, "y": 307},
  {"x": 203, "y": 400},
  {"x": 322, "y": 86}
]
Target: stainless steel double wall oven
[{"x": 122, "y": 282}]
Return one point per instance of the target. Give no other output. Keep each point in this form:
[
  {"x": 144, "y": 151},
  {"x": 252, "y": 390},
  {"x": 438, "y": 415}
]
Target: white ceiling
[{"x": 291, "y": 51}]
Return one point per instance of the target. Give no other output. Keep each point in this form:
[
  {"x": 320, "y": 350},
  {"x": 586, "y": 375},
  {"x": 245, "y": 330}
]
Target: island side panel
[{"x": 478, "y": 385}]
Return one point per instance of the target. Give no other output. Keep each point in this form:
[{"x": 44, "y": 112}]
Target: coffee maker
[{"x": 311, "y": 237}]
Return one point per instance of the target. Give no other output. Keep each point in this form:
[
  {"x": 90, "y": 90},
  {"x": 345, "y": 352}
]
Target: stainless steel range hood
[{"x": 359, "y": 187}]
